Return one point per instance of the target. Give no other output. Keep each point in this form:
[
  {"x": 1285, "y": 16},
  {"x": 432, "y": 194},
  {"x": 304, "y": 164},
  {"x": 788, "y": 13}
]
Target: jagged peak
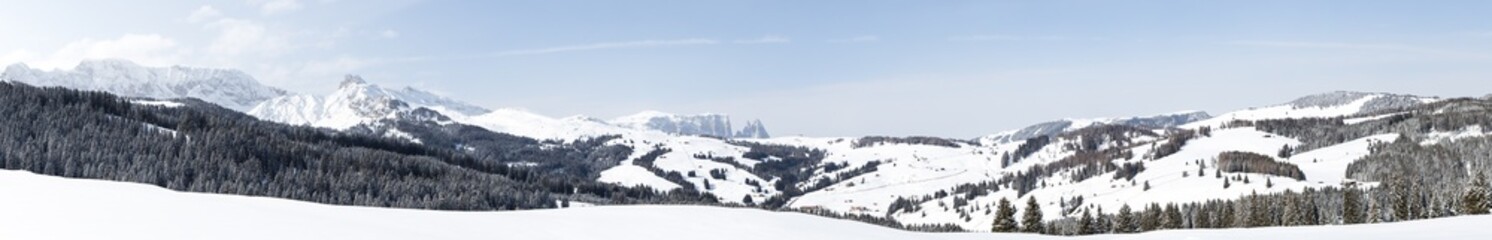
[
  {"x": 352, "y": 80},
  {"x": 17, "y": 67}
]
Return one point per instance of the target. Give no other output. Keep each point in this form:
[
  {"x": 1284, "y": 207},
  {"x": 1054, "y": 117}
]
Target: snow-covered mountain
[
  {"x": 1065, "y": 125},
  {"x": 228, "y": 88},
  {"x": 355, "y": 102},
  {"x": 753, "y": 129},
  {"x": 717, "y": 125}
]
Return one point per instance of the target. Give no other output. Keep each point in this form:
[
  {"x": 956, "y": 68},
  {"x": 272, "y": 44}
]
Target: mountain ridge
[
  {"x": 233, "y": 89},
  {"x": 705, "y": 124}
]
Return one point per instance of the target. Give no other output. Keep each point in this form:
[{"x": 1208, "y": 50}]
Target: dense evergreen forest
[{"x": 200, "y": 147}]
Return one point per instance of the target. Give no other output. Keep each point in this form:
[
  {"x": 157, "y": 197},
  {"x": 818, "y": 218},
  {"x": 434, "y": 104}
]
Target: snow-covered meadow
[{"x": 44, "y": 207}]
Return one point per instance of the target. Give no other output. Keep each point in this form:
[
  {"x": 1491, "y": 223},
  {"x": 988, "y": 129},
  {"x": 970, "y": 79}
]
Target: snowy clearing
[{"x": 158, "y": 103}]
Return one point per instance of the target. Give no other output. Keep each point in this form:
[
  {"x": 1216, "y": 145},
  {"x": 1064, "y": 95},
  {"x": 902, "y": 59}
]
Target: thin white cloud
[
  {"x": 148, "y": 49},
  {"x": 239, "y": 37},
  {"x": 1358, "y": 46},
  {"x": 203, "y": 14},
  {"x": 611, "y": 45},
  {"x": 389, "y": 33},
  {"x": 764, "y": 40},
  {"x": 864, "y": 38},
  {"x": 271, "y": 7},
  {"x": 982, "y": 38}
]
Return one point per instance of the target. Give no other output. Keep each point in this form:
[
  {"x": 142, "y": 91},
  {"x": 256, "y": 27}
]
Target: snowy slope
[
  {"x": 1326, "y": 105},
  {"x": 1065, "y": 125},
  {"x": 232, "y": 89},
  {"x": 912, "y": 171},
  {"x": 680, "y": 158},
  {"x": 44, "y": 207},
  {"x": 355, "y": 102},
  {"x": 1172, "y": 179}
]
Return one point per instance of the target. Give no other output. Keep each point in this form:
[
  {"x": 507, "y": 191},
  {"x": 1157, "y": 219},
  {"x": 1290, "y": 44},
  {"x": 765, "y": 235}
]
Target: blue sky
[{"x": 819, "y": 68}]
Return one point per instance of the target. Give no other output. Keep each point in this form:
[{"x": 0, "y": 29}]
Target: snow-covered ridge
[
  {"x": 707, "y": 124},
  {"x": 232, "y": 89},
  {"x": 1065, "y": 125},
  {"x": 45, "y": 207},
  {"x": 1325, "y": 105},
  {"x": 355, "y": 102}
]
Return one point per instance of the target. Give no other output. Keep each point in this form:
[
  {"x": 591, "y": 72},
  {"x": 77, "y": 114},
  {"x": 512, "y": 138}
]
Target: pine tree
[
  {"x": 1352, "y": 205},
  {"x": 1086, "y": 224},
  {"x": 1403, "y": 201},
  {"x": 1149, "y": 220},
  {"x": 1201, "y": 169},
  {"x": 1032, "y": 217},
  {"x": 1124, "y": 221},
  {"x": 1474, "y": 201},
  {"x": 1005, "y": 217},
  {"x": 1102, "y": 223},
  {"x": 1173, "y": 219},
  {"x": 1310, "y": 214},
  {"x": 1375, "y": 213},
  {"x": 1225, "y": 216},
  {"x": 1258, "y": 212},
  {"x": 1286, "y": 152},
  {"x": 1293, "y": 216},
  {"x": 1202, "y": 217}
]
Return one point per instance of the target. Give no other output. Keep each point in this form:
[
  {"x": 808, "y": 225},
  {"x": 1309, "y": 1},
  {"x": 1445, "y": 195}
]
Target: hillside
[
  {"x": 44, "y": 207},
  {"x": 189, "y": 145}
]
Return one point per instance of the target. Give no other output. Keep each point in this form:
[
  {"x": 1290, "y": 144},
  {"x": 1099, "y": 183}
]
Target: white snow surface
[
  {"x": 1438, "y": 136},
  {"x": 45, "y": 207},
  {"x": 1292, "y": 110}
]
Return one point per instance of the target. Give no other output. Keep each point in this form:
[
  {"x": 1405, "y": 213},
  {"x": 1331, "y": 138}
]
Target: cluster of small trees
[
  {"x": 787, "y": 166},
  {"x": 1092, "y": 139},
  {"x": 1247, "y": 162},
  {"x": 1031, "y": 146},
  {"x": 1174, "y": 141},
  {"x": 915, "y": 140},
  {"x": 1030, "y": 221}
]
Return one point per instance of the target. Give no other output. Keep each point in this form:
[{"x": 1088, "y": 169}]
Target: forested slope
[{"x": 190, "y": 145}]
